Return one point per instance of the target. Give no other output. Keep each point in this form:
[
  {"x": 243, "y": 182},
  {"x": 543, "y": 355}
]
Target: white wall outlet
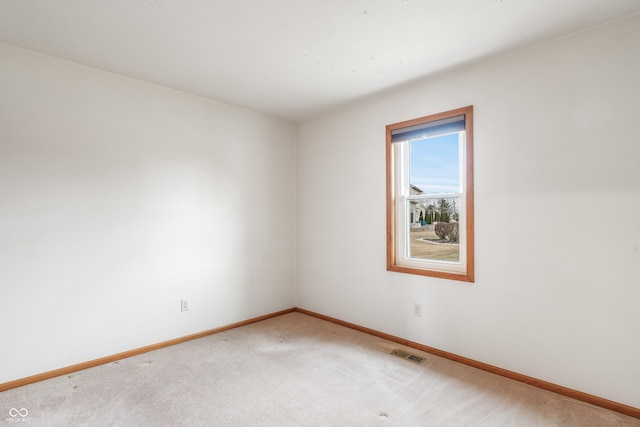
[
  {"x": 417, "y": 309},
  {"x": 184, "y": 305}
]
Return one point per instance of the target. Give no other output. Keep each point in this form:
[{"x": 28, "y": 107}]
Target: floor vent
[{"x": 408, "y": 356}]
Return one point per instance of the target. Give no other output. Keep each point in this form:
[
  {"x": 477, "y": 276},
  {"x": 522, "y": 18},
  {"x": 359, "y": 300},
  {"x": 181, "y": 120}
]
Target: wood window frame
[{"x": 392, "y": 250}]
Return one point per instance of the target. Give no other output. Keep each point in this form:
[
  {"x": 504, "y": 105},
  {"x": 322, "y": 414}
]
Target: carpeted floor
[{"x": 292, "y": 370}]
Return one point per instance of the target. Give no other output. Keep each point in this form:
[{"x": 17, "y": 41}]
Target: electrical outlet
[
  {"x": 417, "y": 309},
  {"x": 184, "y": 305}
]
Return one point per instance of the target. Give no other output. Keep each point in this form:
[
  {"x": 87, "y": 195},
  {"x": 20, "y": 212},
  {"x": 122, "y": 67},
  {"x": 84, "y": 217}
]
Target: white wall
[
  {"x": 117, "y": 199},
  {"x": 557, "y": 183}
]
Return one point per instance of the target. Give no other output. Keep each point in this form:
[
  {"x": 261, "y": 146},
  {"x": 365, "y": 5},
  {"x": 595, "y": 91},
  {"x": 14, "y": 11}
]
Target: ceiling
[{"x": 291, "y": 58}]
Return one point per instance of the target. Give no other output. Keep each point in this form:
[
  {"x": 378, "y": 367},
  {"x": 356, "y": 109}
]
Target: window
[{"x": 430, "y": 195}]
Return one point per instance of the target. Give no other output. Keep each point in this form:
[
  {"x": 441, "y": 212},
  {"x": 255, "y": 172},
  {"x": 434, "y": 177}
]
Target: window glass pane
[
  {"x": 435, "y": 166},
  {"x": 434, "y": 232}
]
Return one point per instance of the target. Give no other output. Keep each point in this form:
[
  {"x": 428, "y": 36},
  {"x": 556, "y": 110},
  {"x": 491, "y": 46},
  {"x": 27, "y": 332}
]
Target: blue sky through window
[{"x": 434, "y": 164}]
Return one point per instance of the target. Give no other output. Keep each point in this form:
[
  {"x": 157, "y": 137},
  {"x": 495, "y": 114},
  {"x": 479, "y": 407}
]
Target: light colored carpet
[{"x": 292, "y": 370}]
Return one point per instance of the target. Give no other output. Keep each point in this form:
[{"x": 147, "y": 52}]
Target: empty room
[{"x": 320, "y": 213}]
